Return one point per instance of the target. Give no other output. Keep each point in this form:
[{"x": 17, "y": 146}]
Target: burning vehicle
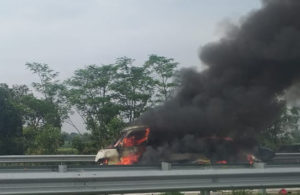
[
  {"x": 128, "y": 149},
  {"x": 131, "y": 148}
]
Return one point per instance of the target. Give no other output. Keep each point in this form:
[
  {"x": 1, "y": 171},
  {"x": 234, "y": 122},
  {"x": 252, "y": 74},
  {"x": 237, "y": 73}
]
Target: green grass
[
  {"x": 67, "y": 150},
  {"x": 241, "y": 192},
  {"x": 172, "y": 193}
]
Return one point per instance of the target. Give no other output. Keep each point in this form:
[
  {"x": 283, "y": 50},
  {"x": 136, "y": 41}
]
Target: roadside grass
[
  {"x": 243, "y": 192},
  {"x": 67, "y": 150},
  {"x": 172, "y": 193}
]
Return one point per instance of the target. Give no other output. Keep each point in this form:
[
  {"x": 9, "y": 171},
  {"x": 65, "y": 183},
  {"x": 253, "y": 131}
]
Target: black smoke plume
[{"x": 237, "y": 95}]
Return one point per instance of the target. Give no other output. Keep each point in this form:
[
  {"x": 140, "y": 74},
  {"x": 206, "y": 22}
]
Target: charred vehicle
[
  {"x": 128, "y": 149},
  {"x": 131, "y": 148}
]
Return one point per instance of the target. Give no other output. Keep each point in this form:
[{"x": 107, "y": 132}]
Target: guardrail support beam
[
  {"x": 62, "y": 168},
  {"x": 165, "y": 166},
  {"x": 116, "y": 180},
  {"x": 205, "y": 192}
]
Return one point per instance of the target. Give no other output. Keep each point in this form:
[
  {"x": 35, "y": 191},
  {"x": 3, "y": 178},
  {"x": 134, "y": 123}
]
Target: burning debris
[
  {"x": 133, "y": 147},
  {"x": 237, "y": 96}
]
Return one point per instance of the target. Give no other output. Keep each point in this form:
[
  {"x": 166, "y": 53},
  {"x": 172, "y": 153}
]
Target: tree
[
  {"x": 90, "y": 93},
  {"x": 114, "y": 127},
  {"x": 49, "y": 139},
  {"x": 284, "y": 130},
  {"x": 35, "y": 112},
  {"x": 52, "y": 90},
  {"x": 45, "y": 140},
  {"x": 163, "y": 71},
  {"x": 48, "y": 85},
  {"x": 38, "y": 112},
  {"x": 30, "y": 145},
  {"x": 42, "y": 117},
  {"x": 39, "y": 116},
  {"x": 293, "y": 126},
  {"x": 10, "y": 124},
  {"x": 132, "y": 87},
  {"x": 78, "y": 144}
]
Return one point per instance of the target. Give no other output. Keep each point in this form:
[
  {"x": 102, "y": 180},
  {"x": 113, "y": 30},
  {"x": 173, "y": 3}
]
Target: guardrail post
[
  {"x": 62, "y": 168},
  {"x": 205, "y": 192},
  {"x": 260, "y": 165},
  {"x": 165, "y": 166},
  {"x": 263, "y": 191}
]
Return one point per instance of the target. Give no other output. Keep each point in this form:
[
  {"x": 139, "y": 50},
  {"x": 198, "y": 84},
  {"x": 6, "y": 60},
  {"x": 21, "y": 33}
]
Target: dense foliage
[
  {"x": 105, "y": 97},
  {"x": 10, "y": 124}
]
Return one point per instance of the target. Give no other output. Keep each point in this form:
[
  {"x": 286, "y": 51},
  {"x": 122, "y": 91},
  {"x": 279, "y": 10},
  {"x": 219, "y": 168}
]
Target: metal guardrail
[
  {"x": 286, "y": 158},
  {"x": 122, "y": 181},
  {"x": 279, "y": 157},
  {"x": 94, "y": 180},
  {"x": 46, "y": 158}
]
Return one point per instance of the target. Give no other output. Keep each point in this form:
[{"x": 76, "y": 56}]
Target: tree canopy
[{"x": 10, "y": 124}]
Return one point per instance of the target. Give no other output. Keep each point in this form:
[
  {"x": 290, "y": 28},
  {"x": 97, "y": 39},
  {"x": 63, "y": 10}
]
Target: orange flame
[
  {"x": 223, "y": 162},
  {"x": 250, "y": 159},
  {"x": 130, "y": 159},
  {"x": 145, "y": 138},
  {"x": 132, "y": 141},
  {"x": 128, "y": 141}
]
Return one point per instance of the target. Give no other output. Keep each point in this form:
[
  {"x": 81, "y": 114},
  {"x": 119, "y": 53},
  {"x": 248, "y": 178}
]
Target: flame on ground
[
  {"x": 223, "y": 162},
  {"x": 130, "y": 159}
]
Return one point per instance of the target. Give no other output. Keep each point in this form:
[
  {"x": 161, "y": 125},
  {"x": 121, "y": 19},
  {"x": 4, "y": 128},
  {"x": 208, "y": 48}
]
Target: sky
[{"x": 70, "y": 34}]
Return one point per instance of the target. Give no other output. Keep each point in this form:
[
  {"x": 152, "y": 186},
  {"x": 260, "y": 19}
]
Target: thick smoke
[{"x": 237, "y": 95}]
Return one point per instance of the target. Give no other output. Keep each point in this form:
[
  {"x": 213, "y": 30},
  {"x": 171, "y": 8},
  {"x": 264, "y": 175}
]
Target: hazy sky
[{"x": 69, "y": 34}]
